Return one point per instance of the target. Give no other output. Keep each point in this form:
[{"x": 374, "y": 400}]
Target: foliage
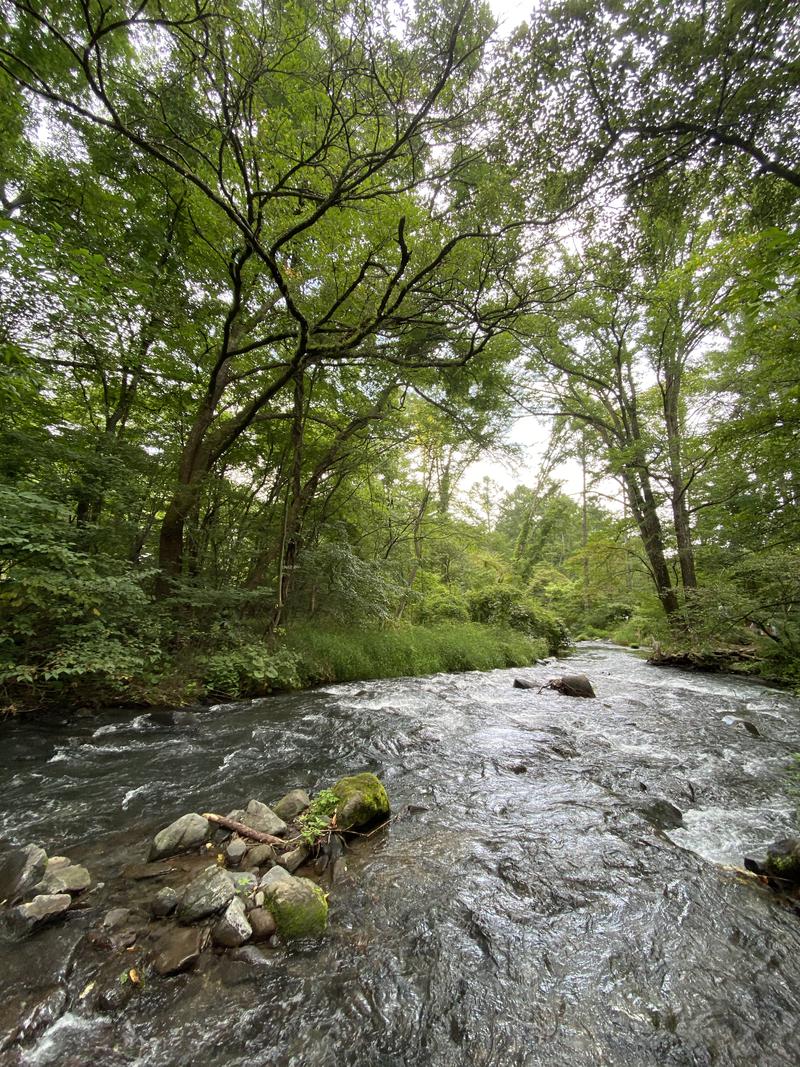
[
  {"x": 315, "y": 820},
  {"x": 508, "y": 606},
  {"x": 249, "y": 670}
]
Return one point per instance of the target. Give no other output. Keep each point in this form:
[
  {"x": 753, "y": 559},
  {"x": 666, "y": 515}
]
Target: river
[{"x": 531, "y": 906}]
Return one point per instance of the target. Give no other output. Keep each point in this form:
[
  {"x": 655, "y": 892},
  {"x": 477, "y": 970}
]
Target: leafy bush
[
  {"x": 250, "y": 670},
  {"x": 506, "y": 605}
]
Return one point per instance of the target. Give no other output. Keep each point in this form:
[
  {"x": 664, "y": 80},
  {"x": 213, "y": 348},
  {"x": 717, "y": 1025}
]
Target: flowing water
[{"x": 527, "y": 907}]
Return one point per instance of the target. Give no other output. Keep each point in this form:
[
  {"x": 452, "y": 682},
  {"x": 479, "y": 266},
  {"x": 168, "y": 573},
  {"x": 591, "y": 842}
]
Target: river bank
[{"x": 302, "y": 657}]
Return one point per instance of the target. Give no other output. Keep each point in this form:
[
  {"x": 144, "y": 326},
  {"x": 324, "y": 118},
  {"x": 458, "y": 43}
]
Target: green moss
[
  {"x": 299, "y": 908},
  {"x": 363, "y": 799}
]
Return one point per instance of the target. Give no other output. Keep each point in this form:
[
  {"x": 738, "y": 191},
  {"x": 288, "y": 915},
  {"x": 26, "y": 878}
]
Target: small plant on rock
[{"x": 316, "y": 819}]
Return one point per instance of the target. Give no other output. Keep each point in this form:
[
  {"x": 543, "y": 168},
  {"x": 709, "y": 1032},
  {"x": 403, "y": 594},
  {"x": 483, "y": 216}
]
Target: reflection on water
[{"x": 533, "y": 912}]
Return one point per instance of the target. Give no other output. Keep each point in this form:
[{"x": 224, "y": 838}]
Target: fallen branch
[{"x": 245, "y": 831}]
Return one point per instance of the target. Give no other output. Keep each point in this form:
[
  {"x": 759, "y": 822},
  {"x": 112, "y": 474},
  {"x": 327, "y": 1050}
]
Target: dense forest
[{"x": 276, "y": 275}]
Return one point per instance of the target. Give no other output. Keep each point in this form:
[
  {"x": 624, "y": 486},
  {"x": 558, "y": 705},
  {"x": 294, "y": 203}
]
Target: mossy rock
[
  {"x": 363, "y": 800},
  {"x": 783, "y": 859},
  {"x": 299, "y": 908}
]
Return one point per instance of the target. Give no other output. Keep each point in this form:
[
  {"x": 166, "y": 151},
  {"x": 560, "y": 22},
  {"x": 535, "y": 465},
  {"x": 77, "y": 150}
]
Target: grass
[{"x": 346, "y": 655}]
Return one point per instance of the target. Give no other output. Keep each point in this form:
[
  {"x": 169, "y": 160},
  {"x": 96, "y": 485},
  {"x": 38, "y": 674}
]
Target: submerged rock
[
  {"x": 20, "y": 871},
  {"x": 290, "y": 805},
  {"x": 363, "y": 800},
  {"x": 298, "y": 906},
  {"x": 209, "y": 892},
  {"x": 179, "y": 949},
  {"x": 661, "y": 814},
  {"x": 183, "y": 835},
  {"x": 742, "y": 724},
  {"x": 24, "y": 919}
]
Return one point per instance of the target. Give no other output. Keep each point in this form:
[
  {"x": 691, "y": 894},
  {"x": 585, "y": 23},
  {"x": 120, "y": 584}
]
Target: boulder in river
[
  {"x": 298, "y": 906},
  {"x": 208, "y": 893},
  {"x": 262, "y": 923},
  {"x": 183, "y": 835},
  {"x": 261, "y": 855},
  {"x": 20, "y": 871},
  {"x": 524, "y": 683},
  {"x": 363, "y": 800},
  {"x": 290, "y": 805},
  {"x": 164, "y": 903},
  {"x": 24, "y": 919},
  {"x": 572, "y": 685},
  {"x": 294, "y": 858}
]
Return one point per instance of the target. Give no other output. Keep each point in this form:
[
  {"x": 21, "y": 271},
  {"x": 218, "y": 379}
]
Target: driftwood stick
[{"x": 244, "y": 831}]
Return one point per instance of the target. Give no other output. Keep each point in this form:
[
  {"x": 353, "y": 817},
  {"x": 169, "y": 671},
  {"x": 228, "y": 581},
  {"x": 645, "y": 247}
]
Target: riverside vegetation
[{"x": 275, "y": 276}]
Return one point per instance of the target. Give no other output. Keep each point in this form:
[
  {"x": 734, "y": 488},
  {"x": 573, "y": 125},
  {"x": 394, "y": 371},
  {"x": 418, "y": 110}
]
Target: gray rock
[
  {"x": 273, "y": 877},
  {"x": 20, "y": 871},
  {"x": 24, "y": 919},
  {"x": 259, "y": 817},
  {"x": 261, "y": 855},
  {"x": 55, "y": 863},
  {"x": 235, "y": 851},
  {"x": 186, "y": 833},
  {"x": 208, "y": 893},
  {"x": 72, "y": 879},
  {"x": 299, "y": 907},
  {"x": 262, "y": 923},
  {"x": 164, "y": 903},
  {"x": 661, "y": 814},
  {"x": 292, "y": 860},
  {"x": 523, "y": 683},
  {"x": 179, "y": 949},
  {"x": 290, "y": 805},
  {"x": 233, "y": 928},
  {"x": 259, "y": 898},
  {"x": 116, "y": 918}
]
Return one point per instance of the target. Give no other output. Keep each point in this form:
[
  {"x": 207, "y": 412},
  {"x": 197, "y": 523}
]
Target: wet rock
[
  {"x": 741, "y": 724},
  {"x": 273, "y": 877},
  {"x": 363, "y": 800},
  {"x": 293, "y": 859},
  {"x": 183, "y": 835},
  {"x": 518, "y": 768},
  {"x": 572, "y": 685},
  {"x": 249, "y": 954},
  {"x": 179, "y": 949},
  {"x": 117, "y": 918},
  {"x": 261, "y": 855},
  {"x": 290, "y": 805},
  {"x": 661, "y": 814},
  {"x": 523, "y": 683},
  {"x": 299, "y": 908},
  {"x": 164, "y": 903},
  {"x": 262, "y": 923},
  {"x": 235, "y": 851},
  {"x": 71, "y": 879},
  {"x": 23, "y": 920},
  {"x": 20, "y": 871},
  {"x": 208, "y": 893},
  {"x": 233, "y": 928}
]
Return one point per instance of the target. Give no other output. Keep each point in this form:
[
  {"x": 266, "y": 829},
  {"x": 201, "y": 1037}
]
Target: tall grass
[{"x": 346, "y": 655}]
